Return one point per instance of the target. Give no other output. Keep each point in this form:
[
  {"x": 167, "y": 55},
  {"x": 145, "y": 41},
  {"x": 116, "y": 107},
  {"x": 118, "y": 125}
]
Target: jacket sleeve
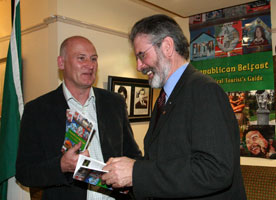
[{"x": 38, "y": 163}]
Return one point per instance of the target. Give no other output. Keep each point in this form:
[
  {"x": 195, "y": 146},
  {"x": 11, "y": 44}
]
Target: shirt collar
[
  {"x": 173, "y": 79},
  {"x": 68, "y": 96}
]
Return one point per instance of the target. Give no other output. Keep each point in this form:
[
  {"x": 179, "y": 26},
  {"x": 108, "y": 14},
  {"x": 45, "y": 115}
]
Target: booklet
[
  {"x": 78, "y": 129},
  {"x": 90, "y": 170}
]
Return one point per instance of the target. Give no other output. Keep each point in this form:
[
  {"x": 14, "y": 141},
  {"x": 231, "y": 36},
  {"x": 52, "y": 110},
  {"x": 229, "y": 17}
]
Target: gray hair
[{"x": 158, "y": 27}]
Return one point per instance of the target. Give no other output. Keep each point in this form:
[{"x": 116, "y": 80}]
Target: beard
[{"x": 160, "y": 71}]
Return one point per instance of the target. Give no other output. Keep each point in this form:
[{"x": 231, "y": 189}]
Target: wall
[
  {"x": 45, "y": 24},
  {"x": 105, "y": 22}
]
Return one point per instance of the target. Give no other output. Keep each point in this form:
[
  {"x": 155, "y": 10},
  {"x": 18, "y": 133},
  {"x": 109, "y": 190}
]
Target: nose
[
  {"x": 91, "y": 64},
  {"x": 139, "y": 65}
]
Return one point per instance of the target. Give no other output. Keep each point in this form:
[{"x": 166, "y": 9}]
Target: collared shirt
[
  {"x": 89, "y": 111},
  {"x": 173, "y": 79}
]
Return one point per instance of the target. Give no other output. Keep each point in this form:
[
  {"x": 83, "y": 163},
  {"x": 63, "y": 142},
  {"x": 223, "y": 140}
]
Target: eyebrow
[{"x": 83, "y": 54}]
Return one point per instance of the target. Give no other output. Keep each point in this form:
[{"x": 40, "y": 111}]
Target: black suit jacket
[
  {"x": 42, "y": 135},
  {"x": 193, "y": 152}
]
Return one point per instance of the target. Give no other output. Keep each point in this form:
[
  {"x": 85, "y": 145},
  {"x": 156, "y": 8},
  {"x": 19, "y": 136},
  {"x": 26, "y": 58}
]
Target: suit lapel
[
  {"x": 62, "y": 104},
  {"x": 100, "y": 111},
  {"x": 153, "y": 133}
]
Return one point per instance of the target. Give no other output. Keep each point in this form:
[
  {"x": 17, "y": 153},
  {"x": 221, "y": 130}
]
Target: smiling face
[
  {"x": 79, "y": 63},
  {"x": 141, "y": 95},
  {"x": 258, "y": 32},
  {"x": 256, "y": 143},
  {"x": 154, "y": 63}
]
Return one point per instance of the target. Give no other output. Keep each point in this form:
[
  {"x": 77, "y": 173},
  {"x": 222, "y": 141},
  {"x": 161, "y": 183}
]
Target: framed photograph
[{"x": 137, "y": 94}]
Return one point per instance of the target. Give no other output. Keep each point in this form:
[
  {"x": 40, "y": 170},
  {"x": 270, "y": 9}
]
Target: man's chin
[{"x": 259, "y": 154}]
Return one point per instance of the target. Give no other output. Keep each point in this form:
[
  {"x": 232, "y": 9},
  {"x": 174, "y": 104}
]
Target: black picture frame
[{"x": 139, "y": 96}]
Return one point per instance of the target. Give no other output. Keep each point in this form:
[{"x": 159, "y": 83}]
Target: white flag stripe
[{"x": 15, "y": 66}]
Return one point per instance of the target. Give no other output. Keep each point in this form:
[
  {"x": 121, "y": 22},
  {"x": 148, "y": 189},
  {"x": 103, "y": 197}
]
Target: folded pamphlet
[{"x": 90, "y": 170}]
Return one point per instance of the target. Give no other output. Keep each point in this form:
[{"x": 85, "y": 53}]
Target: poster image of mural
[
  {"x": 257, "y": 34},
  {"x": 202, "y": 43},
  {"x": 255, "y": 113},
  {"x": 196, "y": 19},
  {"x": 258, "y": 6},
  {"x": 202, "y": 47},
  {"x": 235, "y": 11},
  {"x": 228, "y": 39},
  {"x": 214, "y": 15}
]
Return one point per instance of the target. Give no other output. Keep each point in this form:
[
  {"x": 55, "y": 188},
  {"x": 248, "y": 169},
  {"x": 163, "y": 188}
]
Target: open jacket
[{"x": 42, "y": 134}]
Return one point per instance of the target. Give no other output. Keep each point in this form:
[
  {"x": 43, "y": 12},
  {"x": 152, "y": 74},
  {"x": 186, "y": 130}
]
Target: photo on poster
[
  {"x": 258, "y": 6},
  {"x": 196, "y": 19},
  {"x": 228, "y": 39},
  {"x": 202, "y": 44},
  {"x": 259, "y": 141},
  {"x": 234, "y": 11},
  {"x": 255, "y": 111},
  {"x": 257, "y": 34},
  {"x": 214, "y": 15}
]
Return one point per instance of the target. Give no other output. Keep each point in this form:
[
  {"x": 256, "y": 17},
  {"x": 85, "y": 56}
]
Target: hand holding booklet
[
  {"x": 90, "y": 170},
  {"x": 78, "y": 129}
]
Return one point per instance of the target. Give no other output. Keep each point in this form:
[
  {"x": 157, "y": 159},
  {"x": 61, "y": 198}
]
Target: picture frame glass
[{"x": 137, "y": 94}]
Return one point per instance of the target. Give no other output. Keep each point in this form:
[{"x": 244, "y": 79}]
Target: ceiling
[{"x": 186, "y": 8}]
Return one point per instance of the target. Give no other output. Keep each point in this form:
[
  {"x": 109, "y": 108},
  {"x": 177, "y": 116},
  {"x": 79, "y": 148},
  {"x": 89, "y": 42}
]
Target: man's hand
[
  {"x": 119, "y": 172},
  {"x": 69, "y": 160}
]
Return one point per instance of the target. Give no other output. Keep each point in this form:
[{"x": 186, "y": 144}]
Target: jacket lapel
[
  {"x": 100, "y": 110},
  {"x": 62, "y": 104},
  {"x": 153, "y": 133}
]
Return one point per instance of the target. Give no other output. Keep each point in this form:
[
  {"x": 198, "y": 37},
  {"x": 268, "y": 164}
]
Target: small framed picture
[{"x": 137, "y": 94}]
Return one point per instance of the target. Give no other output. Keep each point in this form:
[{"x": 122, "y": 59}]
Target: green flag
[{"x": 12, "y": 106}]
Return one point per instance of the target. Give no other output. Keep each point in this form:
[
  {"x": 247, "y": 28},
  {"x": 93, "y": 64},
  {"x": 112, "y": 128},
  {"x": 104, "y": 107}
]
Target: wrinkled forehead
[
  {"x": 81, "y": 45},
  {"x": 141, "y": 40}
]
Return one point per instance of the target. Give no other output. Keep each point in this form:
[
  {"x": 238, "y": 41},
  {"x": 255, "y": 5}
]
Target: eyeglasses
[{"x": 141, "y": 55}]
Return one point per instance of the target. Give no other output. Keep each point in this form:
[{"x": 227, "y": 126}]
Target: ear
[
  {"x": 60, "y": 62},
  {"x": 168, "y": 46}
]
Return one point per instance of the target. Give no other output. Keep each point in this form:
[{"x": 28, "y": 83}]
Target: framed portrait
[{"x": 137, "y": 94}]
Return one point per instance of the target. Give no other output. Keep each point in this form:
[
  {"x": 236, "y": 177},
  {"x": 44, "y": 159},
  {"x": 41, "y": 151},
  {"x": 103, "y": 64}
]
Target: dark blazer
[
  {"x": 42, "y": 135},
  {"x": 193, "y": 153}
]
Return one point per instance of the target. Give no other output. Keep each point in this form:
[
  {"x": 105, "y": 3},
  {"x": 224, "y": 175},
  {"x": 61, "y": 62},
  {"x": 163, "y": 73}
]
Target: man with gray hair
[{"x": 192, "y": 151}]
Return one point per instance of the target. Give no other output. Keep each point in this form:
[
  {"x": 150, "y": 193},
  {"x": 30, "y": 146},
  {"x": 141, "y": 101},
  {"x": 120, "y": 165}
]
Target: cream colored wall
[
  {"x": 5, "y": 19},
  {"x": 40, "y": 47}
]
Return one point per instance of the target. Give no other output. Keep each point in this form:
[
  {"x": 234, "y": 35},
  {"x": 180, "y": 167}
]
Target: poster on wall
[
  {"x": 243, "y": 66},
  {"x": 255, "y": 112},
  {"x": 257, "y": 34}
]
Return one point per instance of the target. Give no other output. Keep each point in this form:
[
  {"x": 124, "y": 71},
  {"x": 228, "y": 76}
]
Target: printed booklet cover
[
  {"x": 90, "y": 170},
  {"x": 78, "y": 129}
]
